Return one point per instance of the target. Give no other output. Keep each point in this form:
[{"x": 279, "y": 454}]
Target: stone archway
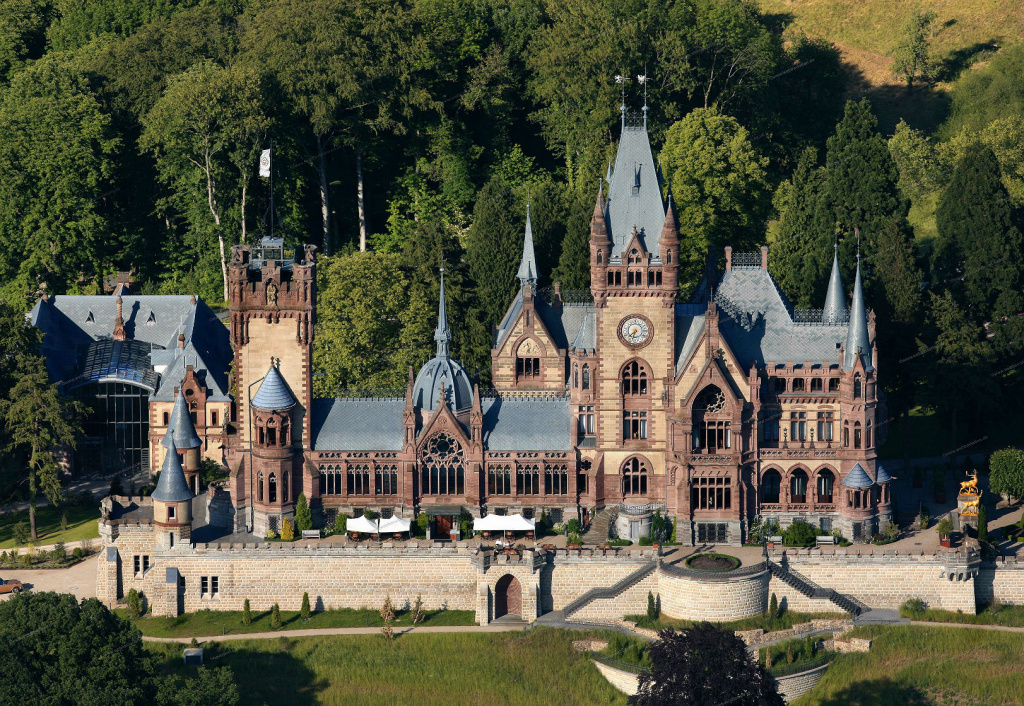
[{"x": 508, "y": 597}]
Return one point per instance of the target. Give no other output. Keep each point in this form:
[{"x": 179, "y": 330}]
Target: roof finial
[
  {"x": 622, "y": 81},
  {"x": 528, "y": 271},
  {"x": 642, "y": 78},
  {"x": 442, "y": 335}
]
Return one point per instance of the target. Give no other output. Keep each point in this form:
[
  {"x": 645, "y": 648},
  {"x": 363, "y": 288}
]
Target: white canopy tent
[
  {"x": 503, "y": 523},
  {"x": 395, "y": 524},
  {"x": 361, "y": 524}
]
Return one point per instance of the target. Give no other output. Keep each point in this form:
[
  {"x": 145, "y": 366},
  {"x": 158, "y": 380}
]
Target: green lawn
[
  {"x": 914, "y": 666},
  {"x": 785, "y": 621},
  {"x": 537, "y": 667},
  {"x": 1007, "y": 615},
  {"x": 229, "y": 622},
  {"x": 82, "y": 524}
]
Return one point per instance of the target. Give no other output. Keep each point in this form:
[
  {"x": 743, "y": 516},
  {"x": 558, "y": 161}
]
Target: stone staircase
[
  {"x": 812, "y": 590},
  {"x": 600, "y": 527},
  {"x": 609, "y": 592}
]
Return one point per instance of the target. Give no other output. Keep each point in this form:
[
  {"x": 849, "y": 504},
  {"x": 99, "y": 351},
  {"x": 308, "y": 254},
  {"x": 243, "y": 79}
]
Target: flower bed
[{"x": 712, "y": 562}]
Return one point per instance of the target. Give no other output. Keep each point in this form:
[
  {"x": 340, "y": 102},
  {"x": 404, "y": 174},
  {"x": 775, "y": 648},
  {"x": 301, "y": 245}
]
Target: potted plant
[
  {"x": 944, "y": 528},
  {"x": 574, "y": 541}
]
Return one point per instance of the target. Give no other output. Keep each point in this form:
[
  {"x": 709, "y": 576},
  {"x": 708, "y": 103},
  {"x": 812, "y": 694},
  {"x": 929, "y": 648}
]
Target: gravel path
[
  {"x": 341, "y": 631},
  {"x": 80, "y": 579}
]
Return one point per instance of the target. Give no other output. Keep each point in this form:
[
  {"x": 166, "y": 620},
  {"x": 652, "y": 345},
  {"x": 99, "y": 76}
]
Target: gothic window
[
  {"x": 711, "y": 494},
  {"x": 527, "y": 367},
  {"x": 499, "y": 480},
  {"x": 386, "y": 480},
  {"x": 330, "y": 481},
  {"x": 614, "y": 278},
  {"x": 856, "y": 435},
  {"x": 284, "y": 487},
  {"x": 586, "y": 376},
  {"x": 825, "y": 426},
  {"x": 710, "y": 400},
  {"x": 634, "y": 477},
  {"x": 833, "y": 384},
  {"x": 271, "y": 434},
  {"x": 556, "y": 480},
  {"x": 826, "y": 483},
  {"x": 586, "y": 420},
  {"x": 634, "y": 257},
  {"x": 634, "y": 380},
  {"x": 259, "y": 487},
  {"x": 798, "y": 486},
  {"x": 867, "y": 437},
  {"x": 358, "y": 480},
  {"x": 528, "y": 480},
  {"x": 846, "y": 434},
  {"x": 816, "y": 385},
  {"x": 575, "y": 375},
  {"x": 444, "y": 465},
  {"x": 668, "y": 257},
  {"x": 798, "y": 426},
  {"x": 710, "y": 435},
  {"x": 771, "y": 483},
  {"x": 798, "y": 384},
  {"x": 634, "y": 425},
  {"x": 272, "y": 488},
  {"x": 600, "y": 257},
  {"x": 857, "y": 386}
]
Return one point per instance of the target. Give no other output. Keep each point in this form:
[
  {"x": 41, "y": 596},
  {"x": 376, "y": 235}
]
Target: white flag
[{"x": 265, "y": 163}]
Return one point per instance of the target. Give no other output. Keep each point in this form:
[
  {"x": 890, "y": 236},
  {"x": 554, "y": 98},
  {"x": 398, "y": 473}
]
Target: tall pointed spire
[
  {"x": 528, "y": 272},
  {"x": 857, "y": 341},
  {"x": 834, "y": 311},
  {"x": 172, "y": 486},
  {"x": 181, "y": 431},
  {"x": 442, "y": 334}
]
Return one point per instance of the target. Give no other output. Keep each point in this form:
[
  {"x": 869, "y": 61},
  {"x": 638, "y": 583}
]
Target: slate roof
[
  {"x": 689, "y": 327},
  {"x": 181, "y": 431},
  {"x": 758, "y": 325},
  {"x": 172, "y": 486},
  {"x": 634, "y": 194},
  {"x": 274, "y": 392},
  {"x": 857, "y": 334},
  {"x": 881, "y": 475},
  {"x": 528, "y": 270},
  {"x": 72, "y": 323},
  {"x": 535, "y": 424},
  {"x": 857, "y": 478},
  {"x": 358, "y": 424},
  {"x": 834, "y": 310},
  {"x": 458, "y": 391},
  {"x": 586, "y": 337}
]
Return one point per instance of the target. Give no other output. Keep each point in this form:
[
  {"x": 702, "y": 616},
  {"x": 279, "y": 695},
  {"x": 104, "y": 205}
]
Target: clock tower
[{"x": 634, "y": 265}]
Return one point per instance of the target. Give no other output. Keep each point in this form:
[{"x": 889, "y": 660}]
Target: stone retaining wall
[
  {"x": 1001, "y": 581},
  {"x": 722, "y": 599},
  {"x": 796, "y": 685},
  {"x": 626, "y": 682}
]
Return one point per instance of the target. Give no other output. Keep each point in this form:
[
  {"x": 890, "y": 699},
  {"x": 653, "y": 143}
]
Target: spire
[
  {"x": 528, "y": 272},
  {"x": 608, "y": 174},
  {"x": 172, "y": 486},
  {"x": 181, "y": 431},
  {"x": 834, "y": 311},
  {"x": 119, "y": 333},
  {"x": 857, "y": 341},
  {"x": 670, "y": 231},
  {"x": 443, "y": 334},
  {"x": 598, "y": 225}
]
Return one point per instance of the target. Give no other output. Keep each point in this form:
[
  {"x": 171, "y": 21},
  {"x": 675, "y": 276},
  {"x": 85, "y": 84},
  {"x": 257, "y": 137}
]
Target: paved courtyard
[{"x": 80, "y": 579}]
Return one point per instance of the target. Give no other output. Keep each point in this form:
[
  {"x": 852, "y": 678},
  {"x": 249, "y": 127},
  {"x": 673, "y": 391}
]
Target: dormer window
[
  {"x": 634, "y": 257},
  {"x": 636, "y": 180}
]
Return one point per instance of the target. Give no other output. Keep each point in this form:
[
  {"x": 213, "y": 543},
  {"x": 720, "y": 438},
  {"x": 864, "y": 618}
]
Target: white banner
[{"x": 265, "y": 163}]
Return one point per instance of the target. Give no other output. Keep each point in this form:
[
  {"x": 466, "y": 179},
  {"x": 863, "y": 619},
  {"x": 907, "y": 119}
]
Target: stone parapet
[
  {"x": 794, "y": 686},
  {"x": 724, "y": 599}
]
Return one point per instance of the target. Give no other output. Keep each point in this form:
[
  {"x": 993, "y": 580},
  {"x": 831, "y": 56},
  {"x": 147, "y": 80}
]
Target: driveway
[{"x": 80, "y": 579}]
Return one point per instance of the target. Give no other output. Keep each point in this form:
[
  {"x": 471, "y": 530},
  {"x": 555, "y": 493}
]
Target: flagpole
[{"x": 271, "y": 187}]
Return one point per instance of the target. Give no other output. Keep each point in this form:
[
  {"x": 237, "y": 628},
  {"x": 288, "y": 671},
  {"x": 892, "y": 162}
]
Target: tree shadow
[
  {"x": 959, "y": 60},
  {"x": 878, "y": 692},
  {"x": 777, "y": 22}
]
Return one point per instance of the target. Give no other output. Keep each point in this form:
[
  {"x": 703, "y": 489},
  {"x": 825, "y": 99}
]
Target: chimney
[
  {"x": 119, "y": 333},
  {"x": 728, "y": 257},
  {"x": 181, "y": 340},
  {"x": 764, "y": 257}
]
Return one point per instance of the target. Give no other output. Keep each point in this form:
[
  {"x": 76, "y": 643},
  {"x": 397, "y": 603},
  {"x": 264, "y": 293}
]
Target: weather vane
[{"x": 642, "y": 79}]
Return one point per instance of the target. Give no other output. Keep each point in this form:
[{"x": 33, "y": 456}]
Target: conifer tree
[
  {"x": 275, "y": 617},
  {"x": 982, "y": 523},
  {"x": 573, "y": 269},
  {"x": 304, "y": 611},
  {"x": 794, "y": 262},
  {"x": 980, "y": 252},
  {"x": 494, "y": 246},
  {"x": 387, "y": 614},
  {"x": 303, "y": 515},
  {"x": 246, "y": 613}
]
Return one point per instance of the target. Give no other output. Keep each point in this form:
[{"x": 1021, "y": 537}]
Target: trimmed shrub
[
  {"x": 799, "y": 534},
  {"x": 77, "y": 553},
  {"x": 246, "y": 613},
  {"x": 287, "y": 531},
  {"x": 982, "y": 523},
  {"x": 304, "y": 611},
  {"x": 135, "y": 604},
  {"x": 652, "y": 607},
  {"x": 303, "y": 515},
  {"x": 773, "y": 608},
  {"x": 275, "y": 617}
]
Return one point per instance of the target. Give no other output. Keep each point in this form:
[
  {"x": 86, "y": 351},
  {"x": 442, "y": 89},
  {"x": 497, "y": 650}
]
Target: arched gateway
[{"x": 508, "y": 597}]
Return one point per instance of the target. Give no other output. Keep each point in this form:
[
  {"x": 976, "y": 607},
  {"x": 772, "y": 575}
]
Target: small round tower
[
  {"x": 182, "y": 431},
  {"x": 172, "y": 502}
]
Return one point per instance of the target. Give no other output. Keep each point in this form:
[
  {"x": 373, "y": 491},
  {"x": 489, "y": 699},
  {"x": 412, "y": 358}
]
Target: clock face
[{"x": 635, "y": 331}]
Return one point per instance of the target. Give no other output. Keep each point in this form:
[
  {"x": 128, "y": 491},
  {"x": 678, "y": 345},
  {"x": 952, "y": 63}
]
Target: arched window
[
  {"x": 499, "y": 480},
  {"x": 867, "y": 436},
  {"x": 634, "y": 380},
  {"x": 833, "y": 384},
  {"x": 272, "y": 488},
  {"x": 634, "y": 257},
  {"x": 712, "y": 432},
  {"x": 259, "y": 487},
  {"x": 798, "y": 384},
  {"x": 284, "y": 487},
  {"x": 668, "y": 258},
  {"x": 166, "y": 419},
  {"x": 826, "y": 482},
  {"x": 600, "y": 257},
  {"x": 846, "y": 435},
  {"x": 856, "y": 435},
  {"x": 575, "y": 375},
  {"x": 358, "y": 480},
  {"x": 798, "y": 486},
  {"x": 771, "y": 483},
  {"x": 780, "y": 384},
  {"x": 586, "y": 376},
  {"x": 528, "y": 479},
  {"x": 816, "y": 384},
  {"x": 443, "y": 466},
  {"x": 857, "y": 386},
  {"x": 634, "y": 477}
]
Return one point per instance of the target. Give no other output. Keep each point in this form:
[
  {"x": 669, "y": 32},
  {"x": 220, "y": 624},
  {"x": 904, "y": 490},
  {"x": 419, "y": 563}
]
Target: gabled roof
[
  {"x": 274, "y": 392},
  {"x": 172, "y": 487},
  {"x": 689, "y": 327},
  {"x": 358, "y": 424},
  {"x": 531, "y": 424},
  {"x": 634, "y": 194},
  {"x": 857, "y": 478},
  {"x": 180, "y": 430}
]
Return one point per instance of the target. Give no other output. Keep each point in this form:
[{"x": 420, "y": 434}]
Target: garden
[{"x": 75, "y": 519}]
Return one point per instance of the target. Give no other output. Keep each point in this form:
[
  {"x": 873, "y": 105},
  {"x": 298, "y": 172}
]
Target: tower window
[
  {"x": 857, "y": 386},
  {"x": 634, "y": 425},
  {"x": 272, "y": 488},
  {"x": 528, "y": 367},
  {"x": 586, "y": 376},
  {"x": 634, "y": 477},
  {"x": 213, "y": 418},
  {"x": 634, "y": 380},
  {"x": 600, "y": 257},
  {"x": 170, "y": 512},
  {"x": 166, "y": 419}
]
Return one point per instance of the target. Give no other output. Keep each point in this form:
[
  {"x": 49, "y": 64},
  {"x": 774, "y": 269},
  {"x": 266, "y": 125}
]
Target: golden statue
[
  {"x": 970, "y": 487},
  {"x": 970, "y": 508}
]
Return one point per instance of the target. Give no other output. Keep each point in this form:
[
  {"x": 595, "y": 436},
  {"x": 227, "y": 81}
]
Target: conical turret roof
[
  {"x": 834, "y": 311},
  {"x": 857, "y": 478},
  {"x": 172, "y": 486},
  {"x": 528, "y": 273},
  {"x": 274, "y": 392},
  {"x": 857, "y": 340},
  {"x": 180, "y": 427}
]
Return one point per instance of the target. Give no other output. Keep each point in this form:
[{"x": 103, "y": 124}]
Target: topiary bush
[
  {"x": 135, "y": 604},
  {"x": 304, "y": 611},
  {"x": 800, "y": 534},
  {"x": 275, "y": 617},
  {"x": 246, "y": 613}
]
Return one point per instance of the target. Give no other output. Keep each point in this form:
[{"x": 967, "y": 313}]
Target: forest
[{"x": 411, "y": 134}]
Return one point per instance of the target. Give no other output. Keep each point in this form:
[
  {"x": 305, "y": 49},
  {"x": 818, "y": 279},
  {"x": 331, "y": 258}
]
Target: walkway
[
  {"x": 999, "y": 628},
  {"x": 492, "y": 628}
]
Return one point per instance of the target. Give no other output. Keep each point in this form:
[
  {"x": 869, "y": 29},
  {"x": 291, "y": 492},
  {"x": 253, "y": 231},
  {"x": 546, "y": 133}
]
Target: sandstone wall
[
  {"x": 1002, "y": 581},
  {"x": 632, "y": 601},
  {"x": 569, "y": 577},
  {"x": 795, "y": 685},
  {"x": 720, "y": 600},
  {"x": 626, "y": 682}
]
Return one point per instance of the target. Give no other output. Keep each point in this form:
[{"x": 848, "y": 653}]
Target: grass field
[
  {"x": 914, "y": 666},
  {"x": 785, "y": 621},
  {"x": 229, "y": 622},
  {"x": 533, "y": 668},
  {"x": 1007, "y": 615},
  {"x": 82, "y": 524}
]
